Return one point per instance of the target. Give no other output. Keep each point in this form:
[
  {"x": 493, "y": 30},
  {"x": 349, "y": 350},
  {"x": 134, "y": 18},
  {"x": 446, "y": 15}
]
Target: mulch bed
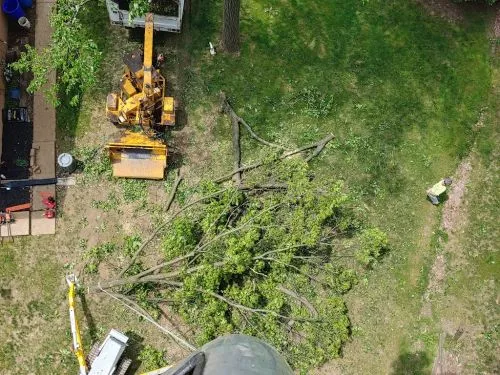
[{"x": 16, "y": 146}]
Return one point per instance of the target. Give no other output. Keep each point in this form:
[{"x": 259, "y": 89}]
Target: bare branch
[
  {"x": 299, "y": 298},
  {"x": 318, "y": 146},
  {"x": 131, "y": 306},
  {"x": 236, "y": 150},
  {"x": 242, "y": 307},
  {"x": 169, "y": 203},
  {"x": 226, "y": 107},
  {"x": 321, "y": 145}
]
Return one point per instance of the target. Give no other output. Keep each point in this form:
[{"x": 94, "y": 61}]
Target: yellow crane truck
[{"x": 142, "y": 112}]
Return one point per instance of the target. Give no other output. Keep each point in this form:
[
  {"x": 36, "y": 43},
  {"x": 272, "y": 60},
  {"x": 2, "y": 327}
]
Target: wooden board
[
  {"x": 40, "y": 225},
  {"x": 45, "y": 159},
  {"x": 20, "y": 227}
]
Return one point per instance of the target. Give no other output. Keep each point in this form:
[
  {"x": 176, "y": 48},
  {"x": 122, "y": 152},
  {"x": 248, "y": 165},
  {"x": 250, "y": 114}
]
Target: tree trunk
[{"x": 231, "y": 26}]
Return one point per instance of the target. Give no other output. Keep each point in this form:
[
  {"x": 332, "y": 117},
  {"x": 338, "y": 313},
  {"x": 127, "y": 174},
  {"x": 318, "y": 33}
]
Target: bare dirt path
[
  {"x": 454, "y": 220},
  {"x": 454, "y": 209}
]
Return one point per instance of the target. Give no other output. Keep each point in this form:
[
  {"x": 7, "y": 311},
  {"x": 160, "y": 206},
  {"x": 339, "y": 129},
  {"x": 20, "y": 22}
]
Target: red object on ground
[
  {"x": 49, "y": 213},
  {"x": 49, "y": 202}
]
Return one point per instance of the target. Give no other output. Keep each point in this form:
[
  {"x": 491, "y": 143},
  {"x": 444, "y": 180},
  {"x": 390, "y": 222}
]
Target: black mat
[{"x": 16, "y": 146}]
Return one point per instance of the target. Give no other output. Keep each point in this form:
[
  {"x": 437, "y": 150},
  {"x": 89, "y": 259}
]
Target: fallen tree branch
[
  {"x": 299, "y": 298},
  {"x": 129, "y": 304},
  {"x": 139, "y": 278},
  {"x": 318, "y": 146},
  {"x": 177, "y": 182},
  {"x": 321, "y": 145},
  {"x": 162, "y": 226},
  {"x": 296, "y": 269},
  {"x": 142, "y": 276},
  {"x": 236, "y": 150},
  {"x": 232, "y": 303},
  {"x": 266, "y": 187},
  {"x": 226, "y": 108},
  {"x": 171, "y": 198}
]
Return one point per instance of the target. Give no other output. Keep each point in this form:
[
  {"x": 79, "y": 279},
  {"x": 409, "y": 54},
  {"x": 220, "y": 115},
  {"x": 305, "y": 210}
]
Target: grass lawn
[{"x": 400, "y": 90}]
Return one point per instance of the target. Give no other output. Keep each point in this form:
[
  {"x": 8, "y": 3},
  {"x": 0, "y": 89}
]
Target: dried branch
[
  {"x": 232, "y": 303},
  {"x": 177, "y": 182},
  {"x": 131, "y": 306},
  {"x": 321, "y": 145},
  {"x": 299, "y": 298},
  {"x": 318, "y": 146},
  {"x": 236, "y": 150},
  {"x": 226, "y": 108}
]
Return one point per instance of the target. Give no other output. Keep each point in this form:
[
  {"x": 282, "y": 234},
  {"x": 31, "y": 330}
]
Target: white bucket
[{"x": 23, "y": 22}]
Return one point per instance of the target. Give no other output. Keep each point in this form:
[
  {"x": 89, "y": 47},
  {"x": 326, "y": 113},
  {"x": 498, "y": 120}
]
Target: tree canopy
[{"x": 71, "y": 53}]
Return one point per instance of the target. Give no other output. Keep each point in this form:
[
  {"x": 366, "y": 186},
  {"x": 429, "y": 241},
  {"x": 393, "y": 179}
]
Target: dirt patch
[
  {"x": 438, "y": 273},
  {"x": 451, "y": 358},
  {"x": 443, "y": 8},
  {"x": 435, "y": 286},
  {"x": 447, "y": 364},
  {"x": 452, "y": 207}
]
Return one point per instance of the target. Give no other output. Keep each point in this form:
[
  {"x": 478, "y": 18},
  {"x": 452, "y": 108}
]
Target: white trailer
[
  {"x": 108, "y": 358},
  {"x": 120, "y": 17}
]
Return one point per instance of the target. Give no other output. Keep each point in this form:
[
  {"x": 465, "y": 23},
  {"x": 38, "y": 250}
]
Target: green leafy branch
[{"x": 71, "y": 54}]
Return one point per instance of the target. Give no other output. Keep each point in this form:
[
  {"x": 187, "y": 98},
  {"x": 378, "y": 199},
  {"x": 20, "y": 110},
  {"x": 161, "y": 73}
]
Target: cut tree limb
[
  {"x": 171, "y": 198},
  {"x": 236, "y": 150},
  {"x": 162, "y": 226},
  {"x": 318, "y": 146},
  {"x": 321, "y": 145},
  {"x": 226, "y": 108},
  {"x": 133, "y": 307},
  {"x": 303, "y": 300},
  {"x": 232, "y": 303}
]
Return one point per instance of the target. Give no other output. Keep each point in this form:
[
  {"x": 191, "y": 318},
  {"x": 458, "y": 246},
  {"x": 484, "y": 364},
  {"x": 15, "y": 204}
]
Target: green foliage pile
[
  {"x": 71, "y": 53},
  {"x": 270, "y": 261},
  {"x": 138, "y": 8},
  {"x": 152, "y": 358}
]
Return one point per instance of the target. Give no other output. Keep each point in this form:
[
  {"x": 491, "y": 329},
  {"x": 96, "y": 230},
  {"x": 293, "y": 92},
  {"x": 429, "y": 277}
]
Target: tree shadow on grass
[
  {"x": 92, "y": 330},
  {"x": 134, "y": 347},
  {"x": 411, "y": 364}
]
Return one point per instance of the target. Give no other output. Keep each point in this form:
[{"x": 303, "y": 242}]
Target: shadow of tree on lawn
[{"x": 411, "y": 364}]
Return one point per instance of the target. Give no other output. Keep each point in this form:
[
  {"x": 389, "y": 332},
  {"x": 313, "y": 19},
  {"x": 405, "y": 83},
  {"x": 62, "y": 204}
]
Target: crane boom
[
  {"x": 75, "y": 331},
  {"x": 148, "y": 55}
]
